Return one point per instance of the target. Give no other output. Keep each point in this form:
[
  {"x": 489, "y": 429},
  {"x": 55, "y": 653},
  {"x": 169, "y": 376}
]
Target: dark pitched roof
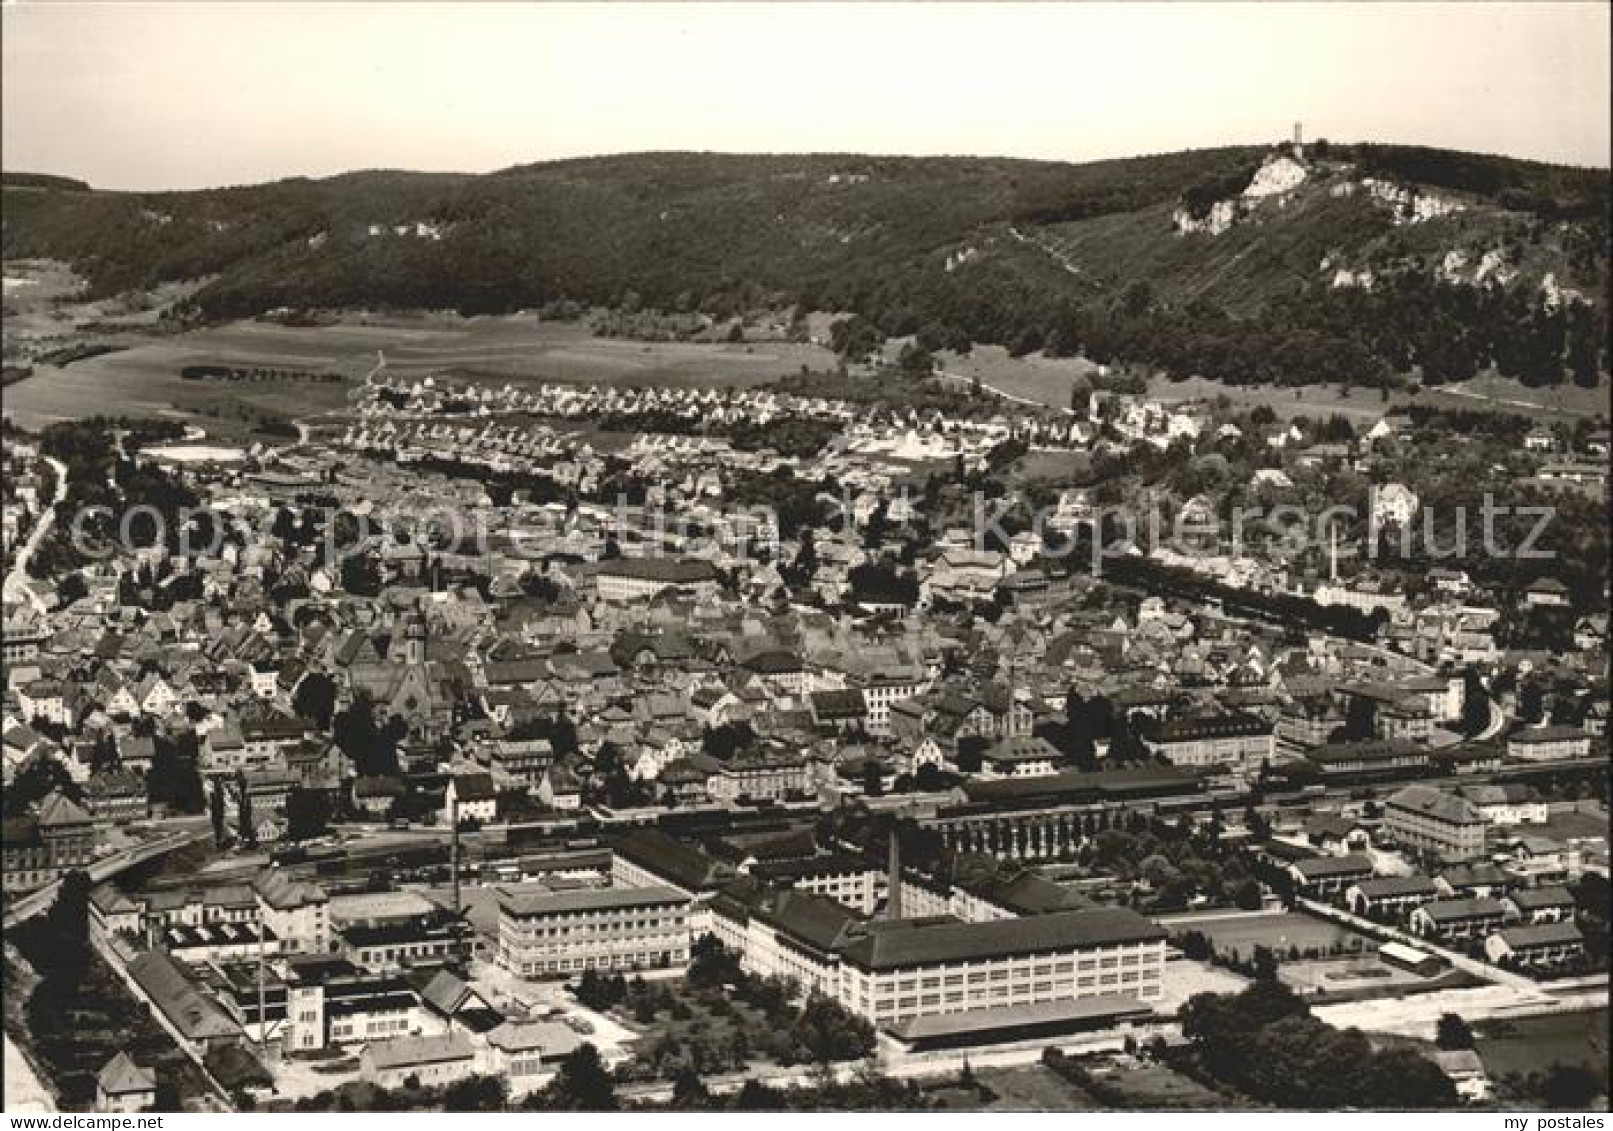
[
  {"x": 1534, "y": 899},
  {"x": 1543, "y": 934},
  {"x": 916, "y": 942},
  {"x": 122, "y": 1077},
  {"x": 672, "y": 860},
  {"x": 1436, "y": 803},
  {"x": 839, "y": 703},
  {"x": 196, "y": 1016},
  {"x": 671, "y": 571},
  {"x": 814, "y": 920},
  {"x": 1322, "y": 867},
  {"x": 1453, "y": 910},
  {"x": 474, "y": 787},
  {"x": 406, "y": 1052},
  {"x": 1397, "y": 887},
  {"x": 1009, "y": 1018}
]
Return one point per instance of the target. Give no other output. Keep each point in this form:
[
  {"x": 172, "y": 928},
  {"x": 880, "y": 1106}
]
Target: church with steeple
[{"x": 408, "y": 683}]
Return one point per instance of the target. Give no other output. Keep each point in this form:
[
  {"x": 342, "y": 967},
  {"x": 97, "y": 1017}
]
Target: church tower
[{"x": 414, "y": 648}]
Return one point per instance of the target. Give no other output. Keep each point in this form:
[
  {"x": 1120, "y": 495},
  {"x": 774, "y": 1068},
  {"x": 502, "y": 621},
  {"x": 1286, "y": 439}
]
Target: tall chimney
[
  {"x": 453, "y": 852},
  {"x": 893, "y": 897}
]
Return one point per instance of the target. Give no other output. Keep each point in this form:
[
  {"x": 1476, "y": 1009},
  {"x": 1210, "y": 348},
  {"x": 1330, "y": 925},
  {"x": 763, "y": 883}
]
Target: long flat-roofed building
[
  {"x": 1379, "y": 756},
  {"x": 892, "y": 971},
  {"x": 636, "y": 579},
  {"x": 1112, "y": 1013},
  {"x": 902, "y": 969},
  {"x": 560, "y": 933}
]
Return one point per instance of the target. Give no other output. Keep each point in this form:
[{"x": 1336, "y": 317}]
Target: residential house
[
  {"x": 1545, "y": 944},
  {"x": 470, "y": 797},
  {"x": 1390, "y": 897},
  {"x": 1458, "y": 918},
  {"x": 429, "y": 1061},
  {"x": 1329, "y": 875},
  {"x": 125, "y": 1086}
]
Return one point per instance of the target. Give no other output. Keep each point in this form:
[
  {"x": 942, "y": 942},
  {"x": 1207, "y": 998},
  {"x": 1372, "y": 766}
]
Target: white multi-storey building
[
  {"x": 892, "y": 971},
  {"x": 638, "y": 579},
  {"x": 561, "y": 933},
  {"x": 296, "y": 913},
  {"x": 904, "y": 969}
]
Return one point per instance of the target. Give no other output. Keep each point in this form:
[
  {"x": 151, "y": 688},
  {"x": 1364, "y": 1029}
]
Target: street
[
  {"x": 24, "y": 1092},
  {"x": 26, "y": 907},
  {"x": 16, "y": 583}
]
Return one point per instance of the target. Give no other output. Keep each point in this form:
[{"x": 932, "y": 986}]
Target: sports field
[{"x": 1280, "y": 931}]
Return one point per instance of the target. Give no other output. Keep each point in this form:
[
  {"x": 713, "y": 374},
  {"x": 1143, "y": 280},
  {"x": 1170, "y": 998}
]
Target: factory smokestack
[{"x": 893, "y": 896}]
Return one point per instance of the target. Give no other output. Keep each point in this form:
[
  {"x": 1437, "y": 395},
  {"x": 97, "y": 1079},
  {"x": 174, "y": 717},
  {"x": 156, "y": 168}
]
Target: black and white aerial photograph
[{"x": 691, "y": 557}]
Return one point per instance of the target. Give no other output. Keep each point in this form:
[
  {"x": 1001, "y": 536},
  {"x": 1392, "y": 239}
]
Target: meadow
[
  {"x": 1523, "y": 1045},
  {"x": 1048, "y": 381},
  {"x": 144, "y": 379}
]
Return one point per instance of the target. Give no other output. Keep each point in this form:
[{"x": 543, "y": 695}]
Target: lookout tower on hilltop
[{"x": 1299, "y": 142}]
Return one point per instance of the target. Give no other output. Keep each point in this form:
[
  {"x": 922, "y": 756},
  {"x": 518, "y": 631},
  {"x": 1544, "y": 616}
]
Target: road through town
[{"x": 16, "y": 583}]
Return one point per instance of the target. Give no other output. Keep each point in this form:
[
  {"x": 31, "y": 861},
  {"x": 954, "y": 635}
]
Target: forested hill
[
  {"x": 1249, "y": 263},
  {"x": 42, "y": 181}
]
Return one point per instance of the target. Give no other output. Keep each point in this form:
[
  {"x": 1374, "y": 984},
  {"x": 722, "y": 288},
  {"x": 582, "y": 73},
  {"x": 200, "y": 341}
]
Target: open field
[
  {"x": 144, "y": 378},
  {"x": 1314, "y": 401},
  {"x": 1048, "y": 380},
  {"x": 1144, "y": 1086},
  {"x": 1043, "y": 380},
  {"x": 45, "y": 310},
  {"x": 1032, "y": 1088},
  {"x": 522, "y": 349},
  {"x": 1566, "y": 823},
  {"x": 144, "y": 382},
  {"x": 1055, "y": 468},
  {"x": 1281, "y": 931},
  {"x": 1504, "y": 394},
  {"x": 1482, "y": 394},
  {"x": 1533, "y": 1044}
]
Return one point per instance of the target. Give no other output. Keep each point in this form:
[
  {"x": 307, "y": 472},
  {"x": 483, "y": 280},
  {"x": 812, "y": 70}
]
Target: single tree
[
  {"x": 1453, "y": 1032},
  {"x": 216, "y": 809}
]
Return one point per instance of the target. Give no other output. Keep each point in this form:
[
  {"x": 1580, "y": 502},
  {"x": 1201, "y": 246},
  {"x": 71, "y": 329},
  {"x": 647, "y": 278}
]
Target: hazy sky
[{"x": 133, "y": 95}]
